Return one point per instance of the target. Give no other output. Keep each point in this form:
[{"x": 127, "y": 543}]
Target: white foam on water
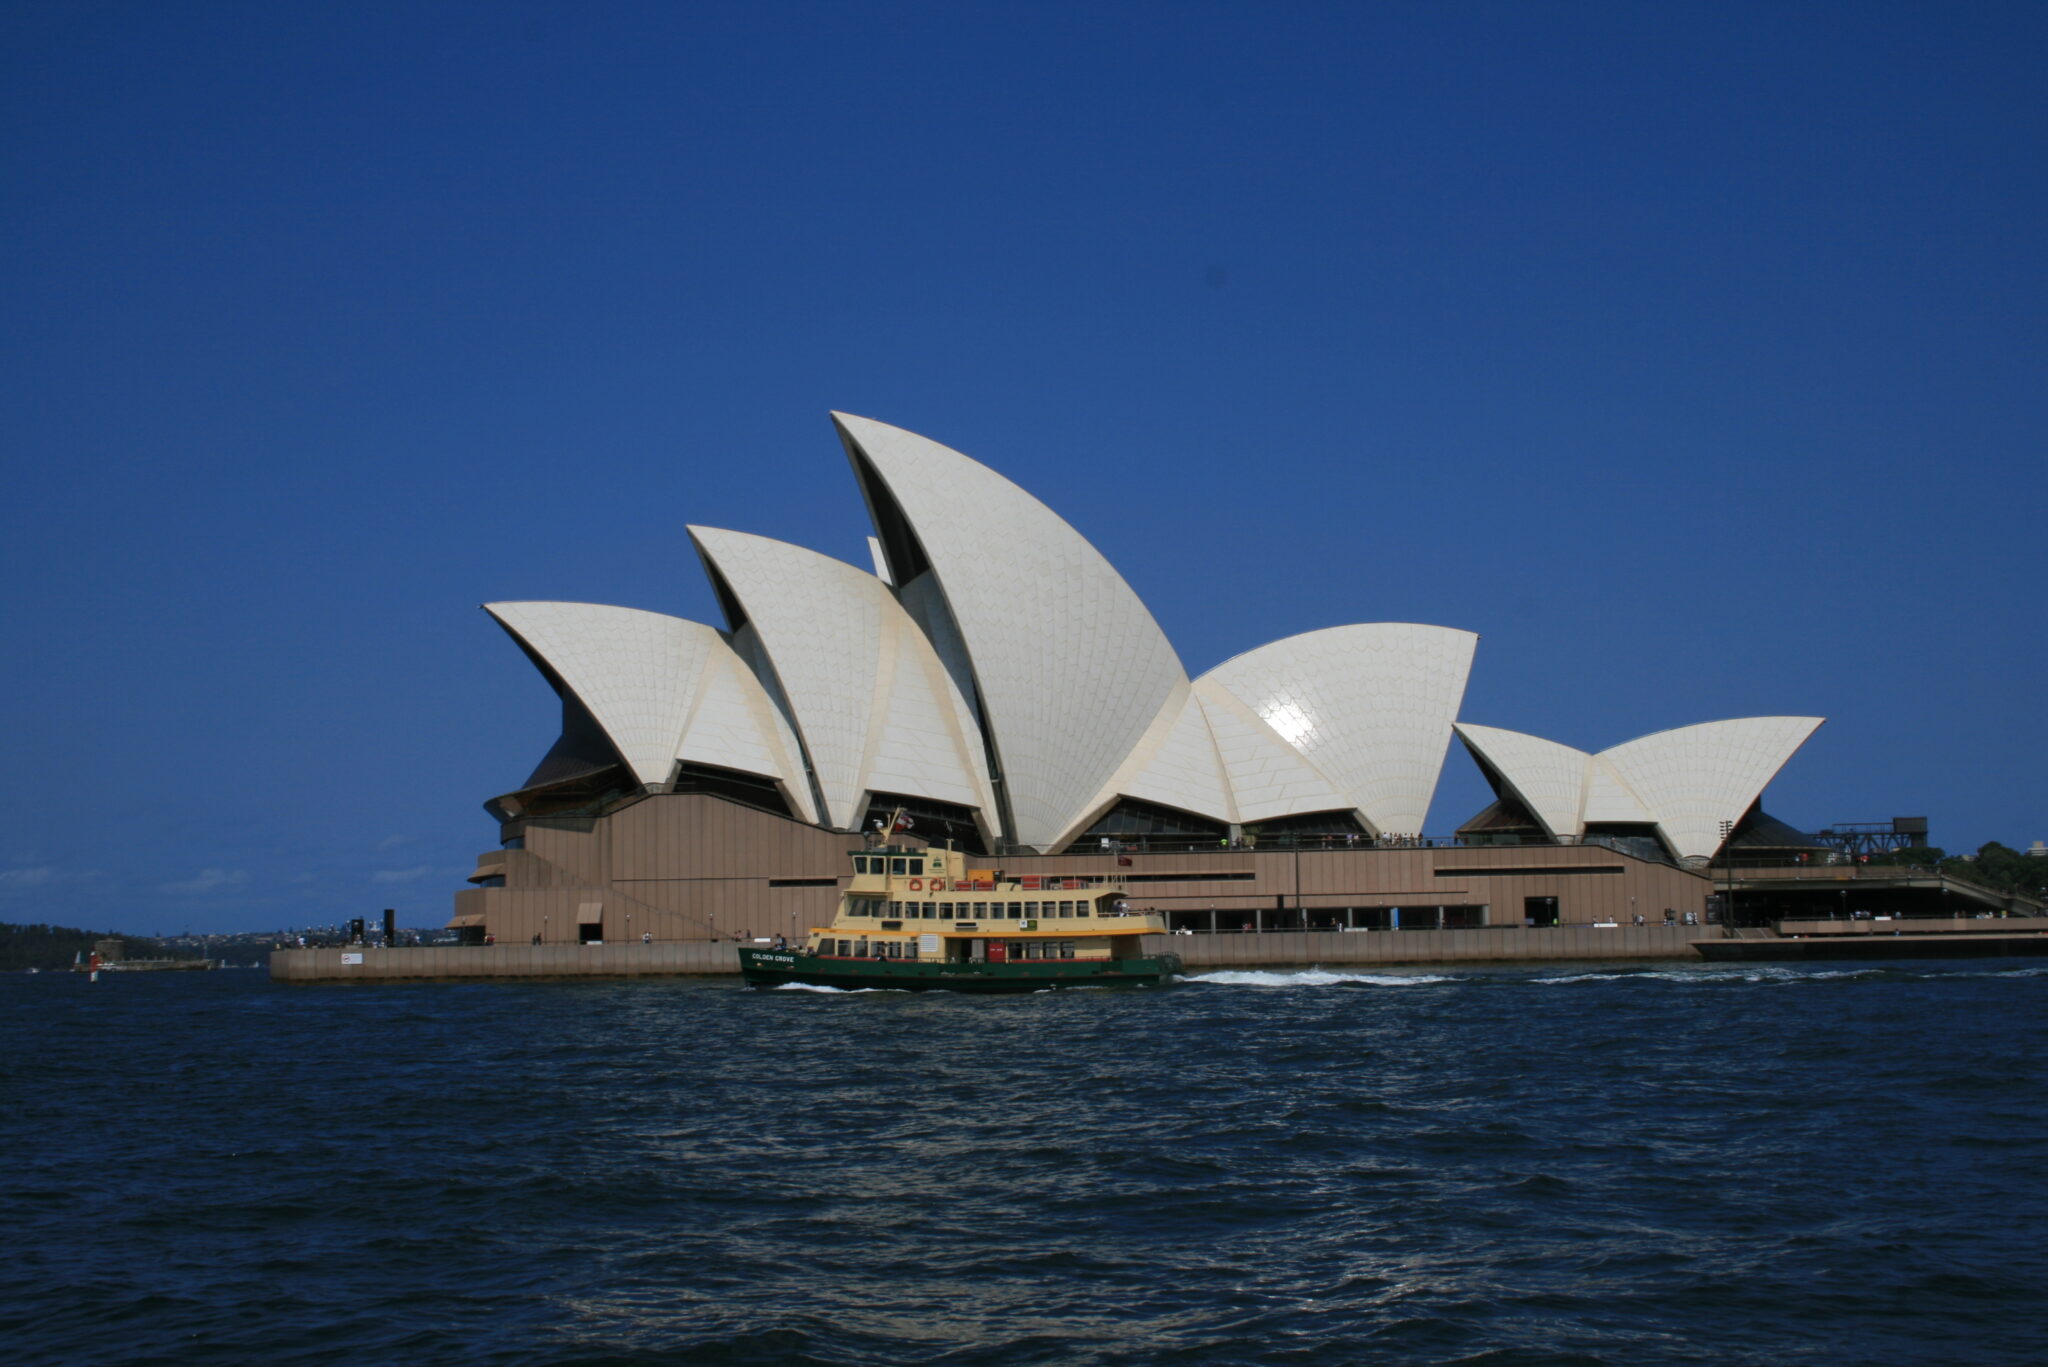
[
  {"x": 836, "y": 991},
  {"x": 1777, "y": 975},
  {"x": 1313, "y": 977}
]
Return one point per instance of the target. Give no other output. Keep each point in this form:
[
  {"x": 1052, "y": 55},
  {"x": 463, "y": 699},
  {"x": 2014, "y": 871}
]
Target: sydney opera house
[{"x": 994, "y": 683}]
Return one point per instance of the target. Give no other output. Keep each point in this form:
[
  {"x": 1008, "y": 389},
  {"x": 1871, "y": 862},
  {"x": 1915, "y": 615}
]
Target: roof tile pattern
[
  {"x": 1186, "y": 771},
  {"x": 1369, "y": 705},
  {"x": 1071, "y": 667},
  {"x": 1547, "y": 778},
  {"x": 1696, "y": 777},
  {"x": 1268, "y": 777},
  {"x": 662, "y": 688},
  {"x": 1608, "y": 798},
  {"x": 1176, "y": 764},
  {"x": 1686, "y": 781},
  {"x": 871, "y": 701}
]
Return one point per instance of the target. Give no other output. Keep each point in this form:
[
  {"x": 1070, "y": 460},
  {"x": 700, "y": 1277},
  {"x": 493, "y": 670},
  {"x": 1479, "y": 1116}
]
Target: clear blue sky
[{"x": 1691, "y": 354}]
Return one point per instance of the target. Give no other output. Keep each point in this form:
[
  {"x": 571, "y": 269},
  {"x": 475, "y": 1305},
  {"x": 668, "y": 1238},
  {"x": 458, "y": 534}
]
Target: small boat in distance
[{"x": 920, "y": 920}]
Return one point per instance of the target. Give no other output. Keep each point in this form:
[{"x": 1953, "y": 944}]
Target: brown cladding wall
[{"x": 691, "y": 867}]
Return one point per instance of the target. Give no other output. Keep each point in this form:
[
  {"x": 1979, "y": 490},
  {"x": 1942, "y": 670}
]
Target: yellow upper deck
[{"x": 936, "y": 890}]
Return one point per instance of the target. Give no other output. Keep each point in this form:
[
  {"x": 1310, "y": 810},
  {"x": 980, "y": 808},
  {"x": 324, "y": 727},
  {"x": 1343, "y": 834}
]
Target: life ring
[{"x": 917, "y": 885}]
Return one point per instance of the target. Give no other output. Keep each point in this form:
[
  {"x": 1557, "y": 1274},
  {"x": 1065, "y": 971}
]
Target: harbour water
[{"x": 1557, "y": 1165}]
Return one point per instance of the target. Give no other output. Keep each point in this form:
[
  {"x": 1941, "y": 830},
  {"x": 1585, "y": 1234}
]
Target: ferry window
[
  {"x": 1066, "y": 949},
  {"x": 1082, "y": 908},
  {"x": 896, "y": 866},
  {"x": 1016, "y": 911},
  {"x": 946, "y": 911}
]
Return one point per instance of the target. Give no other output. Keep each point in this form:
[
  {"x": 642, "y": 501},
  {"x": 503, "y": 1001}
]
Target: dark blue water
[{"x": 1709, "y": 1165}]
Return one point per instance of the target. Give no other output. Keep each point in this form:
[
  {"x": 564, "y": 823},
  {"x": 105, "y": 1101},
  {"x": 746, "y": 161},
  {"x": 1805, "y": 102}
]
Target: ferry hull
[{"x": 775, "y": 968}]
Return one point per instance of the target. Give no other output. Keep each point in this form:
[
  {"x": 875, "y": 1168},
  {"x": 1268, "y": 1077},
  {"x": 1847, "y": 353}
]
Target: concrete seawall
[
  {"x": 483, "y": 962},
  {"x": 1510, "y": 945}
]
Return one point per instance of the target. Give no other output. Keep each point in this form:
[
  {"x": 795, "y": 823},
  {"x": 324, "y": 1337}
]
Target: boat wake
[
  {"x": 1314, "y": 977},
  {"x": 835, "y": 991}
]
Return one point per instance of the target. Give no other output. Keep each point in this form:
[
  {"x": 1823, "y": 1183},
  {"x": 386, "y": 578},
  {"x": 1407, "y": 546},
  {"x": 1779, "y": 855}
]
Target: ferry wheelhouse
[{"x": 921, "y": 919}]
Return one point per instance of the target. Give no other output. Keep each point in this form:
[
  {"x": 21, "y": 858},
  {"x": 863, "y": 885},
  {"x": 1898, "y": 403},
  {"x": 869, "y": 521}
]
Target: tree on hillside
[
  {"x": 54, "y": 947},
  {"x": 2002, "y": 867}
]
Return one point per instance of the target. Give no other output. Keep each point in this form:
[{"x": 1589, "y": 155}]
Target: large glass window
[
  {"x": 1321, "y": 830},
  {"x": 936, "y": 821},
  {"x": 899, "y": 866},
  {"x": 1132, "y": 822}
]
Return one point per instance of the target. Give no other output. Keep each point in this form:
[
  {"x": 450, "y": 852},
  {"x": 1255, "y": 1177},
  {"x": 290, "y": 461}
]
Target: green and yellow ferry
[{"x": 919, "y": 919}]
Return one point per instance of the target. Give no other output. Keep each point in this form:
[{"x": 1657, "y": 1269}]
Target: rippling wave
[{"x": 1587, "y": 1164}]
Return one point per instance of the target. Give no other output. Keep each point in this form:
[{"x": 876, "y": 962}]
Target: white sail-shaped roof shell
[
  {"x": 1369, "y": 705},
  {"x": 1268, "y": 777},
  {"x": 1609, "y": 798},
  {"x": 1547, "y": 778},
  {"x": 1070, "y": 667},
  {"x": 1695, "y": 778},
  {"x": 1185, "y": 770},
  {"x": 875, "y": 708},
  {"x": 664, "y": 689},
  {"x": 1175, "y": 764},
  {"x": 1687, "y": 782}
]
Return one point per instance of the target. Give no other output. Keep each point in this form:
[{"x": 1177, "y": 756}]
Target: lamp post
[{"x": 1300, "y": 912}]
